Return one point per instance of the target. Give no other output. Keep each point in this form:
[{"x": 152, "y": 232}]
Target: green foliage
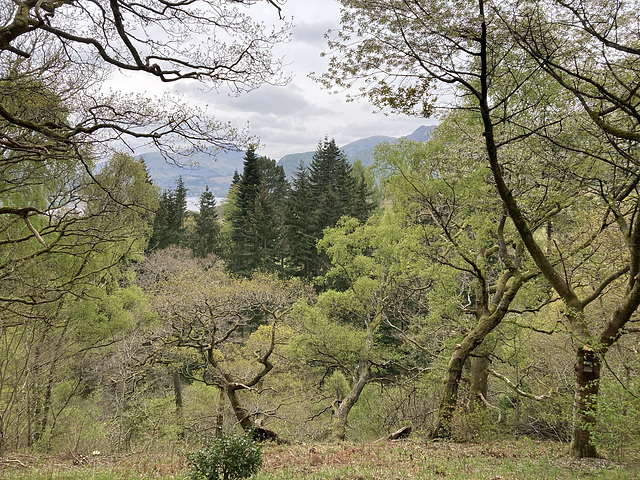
[
  {"x": 321, "y": 194},
  {"x": 168, "y": 223},
  {"x": 255, "y": 215},
  {"x": 299, "y": 226},
  {"x": 226, "y": 458},
  {"x": 205, "y": 238},
  {"x": 618, "y": 413}
]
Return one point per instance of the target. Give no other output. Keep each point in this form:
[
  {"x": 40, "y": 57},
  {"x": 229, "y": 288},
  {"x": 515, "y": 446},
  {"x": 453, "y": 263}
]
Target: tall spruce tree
[
  {"x": 242, "y": 254},
  {"x": 257, "y": 216},
  {"x": 363, "y": 198},
  {"x": 206, "y": 234},
  {"x": 335, "y": 192},
  {"x": 277, "y": 188},
  {"x": 333, "y": 185},
  {"x": 168, "y": 228},
  {"x": 300, "y": 225}
]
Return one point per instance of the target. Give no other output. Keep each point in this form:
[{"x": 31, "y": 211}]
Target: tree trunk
[
  {"x": 449, "y": 397},
  {"x": 177, "y": 388},
  {"x": 340, "y": 421},
  {"x": 479, "y": 382},
  {"x": 585, "y": 402},
  {"x": 241, "y": 413},
  {"x": 220, "y": 413}
]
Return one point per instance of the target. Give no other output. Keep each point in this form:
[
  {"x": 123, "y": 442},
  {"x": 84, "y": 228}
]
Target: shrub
[{"x": 227, "y": 458}]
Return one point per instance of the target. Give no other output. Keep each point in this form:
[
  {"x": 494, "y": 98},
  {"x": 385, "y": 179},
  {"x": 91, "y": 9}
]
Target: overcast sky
[{"x": 293, "y": 118}]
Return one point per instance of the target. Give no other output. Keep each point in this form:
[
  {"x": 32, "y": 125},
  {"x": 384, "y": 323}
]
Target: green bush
[{"x": 227, "y": 458}]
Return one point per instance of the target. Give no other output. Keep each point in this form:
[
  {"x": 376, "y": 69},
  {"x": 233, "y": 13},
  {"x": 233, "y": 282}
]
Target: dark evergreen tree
[
  {"x": 300, "y": 225},
  {"x": 264, "y": 231},
  {"x": 205, "y": 238},
  {"x": 176, "y": 210},
  {"x": 147, "y": 173},
  {"x": 249, "y": 183},
  {"x": 242, "y": 254},
  {"x": 168, "y": 228},
  {"x": 159, "y": 235},
  {"x": 331, "y": 184},
  {"x": 276, "y": 185},
  {"x": 236, "y": 178},
  {"x": 257, "y": 216},
  {"x": 333, "y": 187},
  {"x": 363, "y": 198}
]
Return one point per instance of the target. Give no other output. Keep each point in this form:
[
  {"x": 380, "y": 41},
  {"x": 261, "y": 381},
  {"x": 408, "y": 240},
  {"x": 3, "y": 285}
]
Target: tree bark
[
  {"x": 449, "y": 397},
  {"x": 220, "y": 413},
  {"x": 244, "y": 419},
  {"x": 486, "y": 324},
  {"x": 587, "y": 371},
  {"x": 340, "y": 421},
  {"x": 177, "y": 388},
  {"x": 479, "y": 382}
]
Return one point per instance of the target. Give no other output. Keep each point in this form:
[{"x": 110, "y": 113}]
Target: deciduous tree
[{"x": 404, "y": 49}]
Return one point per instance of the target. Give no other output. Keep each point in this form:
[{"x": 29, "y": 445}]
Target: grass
[{"x": 512, "y": 460}]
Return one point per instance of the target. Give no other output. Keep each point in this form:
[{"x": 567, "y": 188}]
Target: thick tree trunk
[
  {"x": 340, "y": 421},
  {"x": 585, "y": 403},
  {"x": 244, "y": 419},
  {"x": 449, "y": 397},
  {"x": 479, "y": 382}
]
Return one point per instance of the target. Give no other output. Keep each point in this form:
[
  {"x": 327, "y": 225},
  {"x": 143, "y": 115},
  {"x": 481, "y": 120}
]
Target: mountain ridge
[{"x": 217, "y": 171}]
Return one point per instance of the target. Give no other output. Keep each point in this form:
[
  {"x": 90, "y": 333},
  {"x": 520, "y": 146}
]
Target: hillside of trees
[{"x": 478, "y": 285}]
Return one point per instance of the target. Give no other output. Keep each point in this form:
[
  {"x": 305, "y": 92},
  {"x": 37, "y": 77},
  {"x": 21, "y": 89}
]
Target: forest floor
[{"x": 517, "y": 459}]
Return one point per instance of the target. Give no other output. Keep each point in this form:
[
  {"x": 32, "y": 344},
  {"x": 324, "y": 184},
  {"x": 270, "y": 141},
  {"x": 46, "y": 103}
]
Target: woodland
[{"x": 478, "y": 286}]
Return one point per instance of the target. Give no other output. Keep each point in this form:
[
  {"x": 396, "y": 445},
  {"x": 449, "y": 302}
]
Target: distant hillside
[
  {"x": 290, "y": 162},
  {"x": 361, "y": 150},
  {"x": 217, "y": 172},
  {"x": 421, "y": 134}
]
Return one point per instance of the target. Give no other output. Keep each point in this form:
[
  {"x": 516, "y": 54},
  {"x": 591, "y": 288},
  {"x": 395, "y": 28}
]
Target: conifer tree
[
  {"x": 300, "y": 225},
  {"x": 257, "y": 216},
  {"x": 206, "y": 235},
  {"x": 242, "y": 254},
  {"x": 159, "y": 236},
  {"x": 176, "y": 210},
  {"x": 335, "y": 192},
  {"x": 332, "y": 184},
  {"x": 277, "y": 188},
  {"x": 168, "y": 226},
  {"x": 363, "y": 198}
]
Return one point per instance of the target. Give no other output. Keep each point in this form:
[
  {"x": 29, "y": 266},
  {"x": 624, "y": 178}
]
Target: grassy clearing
[{"x": 522, "y": 459}]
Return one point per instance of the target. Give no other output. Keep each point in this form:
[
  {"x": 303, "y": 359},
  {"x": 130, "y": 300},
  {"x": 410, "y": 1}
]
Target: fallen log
[{"x": 404, "y": 432}]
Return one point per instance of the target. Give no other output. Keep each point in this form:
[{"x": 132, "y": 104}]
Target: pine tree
[
  {"x": 242, "y": 254},
  {"x": 363, "y": 198},
  {"x": 277, "y": 187},
  {"x": 206, "y": 235},
  {"x": 159, "y": 235},
  {"x": 168, "y": 226},
  {"x": 177, "y": 209},
  {"x": 331, "y": 185},
  {"x": 249, "y": 183},
  {"x": 300, "y": 225}
]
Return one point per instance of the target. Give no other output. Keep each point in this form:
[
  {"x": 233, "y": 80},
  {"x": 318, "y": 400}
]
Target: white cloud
[{"x": 292, "y": 118}]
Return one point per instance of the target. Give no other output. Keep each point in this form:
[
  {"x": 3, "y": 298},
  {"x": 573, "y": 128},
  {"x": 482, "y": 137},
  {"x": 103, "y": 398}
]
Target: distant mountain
[
  {"x": 361, "y": 150},
  {"x": 290, "y": 162},
  {"x": 358, "y": 147},
  {"x": 217, "y": 173},
  {"x": 421, "y": 134}
]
